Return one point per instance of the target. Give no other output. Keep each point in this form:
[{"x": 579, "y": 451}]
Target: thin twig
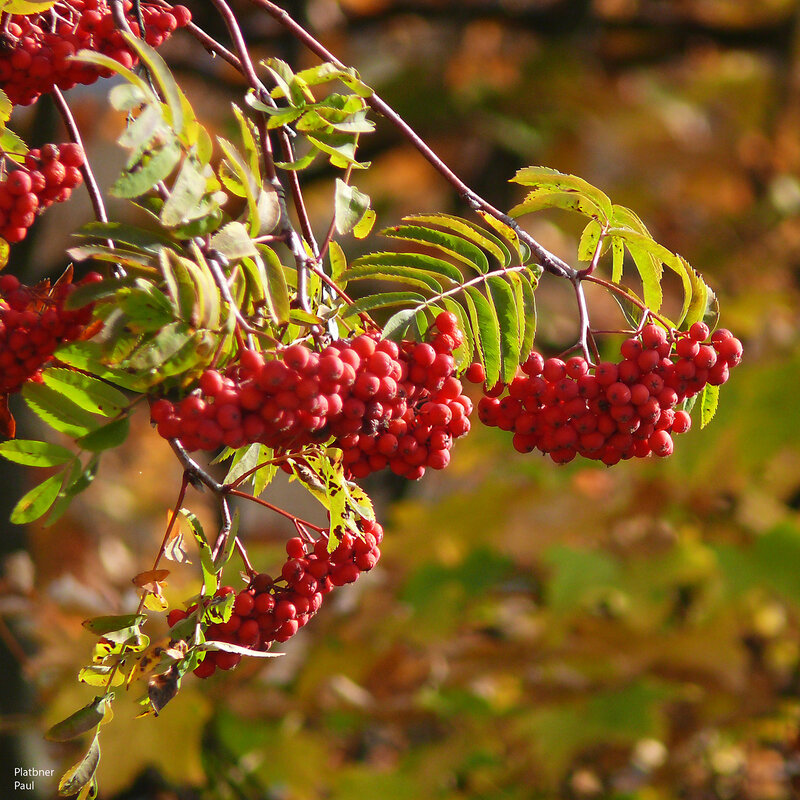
[
  {"x": 86, "y": 170},
  {"x": 583, "y": 319},
  {"x": 276, "y": 509},
  {"x": 612, "y": 287}
]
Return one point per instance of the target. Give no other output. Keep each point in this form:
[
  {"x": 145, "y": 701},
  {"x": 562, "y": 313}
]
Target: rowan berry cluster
[
  {"x": 33, "y": 322},
  {"x": 48, "y": 176},
  {"x": 270, "y": 610},
  {"x": 36, "y": 50},
  {"x": 612, "y": 411},
  {"x": 386, "y": 404}
]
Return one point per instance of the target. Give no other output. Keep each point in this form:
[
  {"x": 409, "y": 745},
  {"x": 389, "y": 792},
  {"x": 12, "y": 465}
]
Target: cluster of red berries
[
  {"x": 36, "y": 50},
  {"x": 385, "y": 404},
  {"x": 48, "y": 176},
  {"x": 33, "y": 322},
  {"x": 434, "y": 414},
  {"x": 270, "y": 610},
  {"x": 612, "y": 411}
]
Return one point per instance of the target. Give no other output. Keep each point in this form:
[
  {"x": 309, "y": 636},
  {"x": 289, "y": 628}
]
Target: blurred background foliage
[{"x": 532, "y": 631}]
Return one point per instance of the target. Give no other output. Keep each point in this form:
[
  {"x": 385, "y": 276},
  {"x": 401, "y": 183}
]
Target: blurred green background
[{"x": 532, "y": 631}]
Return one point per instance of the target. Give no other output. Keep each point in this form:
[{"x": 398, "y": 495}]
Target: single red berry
[
  {"x": 243, "y": 604},
  {"x": 476, "y": 373},
  {"x": 446, "y": 322}
]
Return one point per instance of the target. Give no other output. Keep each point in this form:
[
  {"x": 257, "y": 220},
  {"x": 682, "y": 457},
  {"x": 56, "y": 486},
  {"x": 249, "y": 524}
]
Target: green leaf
[
  {"x": 82, "y": 721},
  {"x": 82, "y": 773},
  {"x": 101, "y": 674},
  {"x": 454, "y": 246},
  {"x": 106, "y": 436},
  {"x": 58, "y": 412},
  {"x": 288, "y": 84},
  {"x": 89, "y": 356},
  {"x": 115, "y": 255},
  {"x": 147, "y": 132},
  {"x": 13, "y": 145},
  {"x": 183, "y": 203},
  {"x": 547, "y": 197},
  {"x": 553, "y": 179},
  {"x": 207, "y": 292},
  {"x": 486, "y": 330},
  {"x": 529, "y": 312},
  {"x": 206, "y": 559},
  {"x": 244, "y": 459},
  {"x": 147, "y": 307},
  {"x": 337, "y": 260},
  {"x": 506, "y": 309},
  {"x": 234, "y": 242},
  {"x": 35, "y": 454},
  {"x": 264, "y": 475},
  {"x": 468, "y": 230},
  {"x": 650, "y": 272},
  {"x": 387, "y": 299},
  {"x": 462, "y": 355},
  {"x": 708, "y": 404},
  {"x": 92, "y": 292},
  {"x": 508, "y": 234},
  {"x": 156, "y": 167},
  {"x": 364, "y": 225},
  {"x": 340, "y": 147},
  {"x": 127, "y": 97},
  {"x": 397, "y": 325},
  {"x": 163, "y": 77},
  {"x": 123, "y": 233},
  {"x": 415, "y": 261},
  {"x": 89, "y": 393},
  {"x": 37, "y": 501},
  {"x": 77, "y": 480},
  {"x": 250, "y": 140},
  {"x": 402, "y": 274},
  {"x": 277, "y": 290},
  {"x": 350, "y": 205},
  {"x": 588, "y": 241},
  {"x": 618, "y": 259},
  {"x": 698, "y": 300},
  {"x": 248, "y": 184},
  {"x": 300, "y": 163},
  {"x": 101, "y": 626},
  {"x": 164, "y": 345}
]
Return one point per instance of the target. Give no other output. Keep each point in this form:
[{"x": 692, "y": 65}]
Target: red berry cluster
[
  {"x": 386, "y": 404},
  {"x": 270, "y": 610},
  {"x": 48, "y": 176},
  {"x": 612, "y": 411},
  {"x": 436, "y": 412},
  {"x": 33, "y": 322},
  {"x": 36, "y": 50}
]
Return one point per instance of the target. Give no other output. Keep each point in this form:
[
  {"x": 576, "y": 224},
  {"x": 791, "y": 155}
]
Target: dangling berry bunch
[
  {"x": 612, "y": 411},
  {"x": 387, "y": 405},
  {"x": 36, "y": 50},
  {"x": 33, "y": 322},
  {"x": 268, "y": 610},
  {"x": 48, "y": 176}
]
